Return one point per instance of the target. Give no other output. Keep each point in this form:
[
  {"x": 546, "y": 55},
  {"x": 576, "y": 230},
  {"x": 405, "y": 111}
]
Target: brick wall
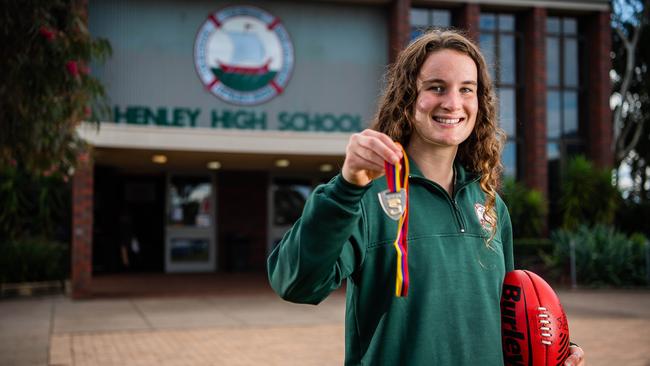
[
  {"x": 533, "y": 116},
  {"x": 599, "y": 116},
  {"x": 468, "y": 20},
  {"x": 400, "y": 27},
  {"x": 82, "y": 227}
]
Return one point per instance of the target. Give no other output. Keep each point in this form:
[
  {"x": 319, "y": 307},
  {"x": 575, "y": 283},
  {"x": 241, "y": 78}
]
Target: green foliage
[
  {"x": 46, "y": 88},
  {"x": 530, "y": 252},
  {"x": 527, "y": 208},
  {"x": 33, "y": 259},
  {"x": 632, "y": 217},
  {"x": 533, "y": 246},
  {"x": 604, "y": 256},
  {"x": 588, "y": 195},
  {"x": 31, "y": 205}
]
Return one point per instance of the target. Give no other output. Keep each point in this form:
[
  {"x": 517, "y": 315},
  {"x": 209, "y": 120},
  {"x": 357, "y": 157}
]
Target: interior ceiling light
[
  {"x": 159, "y": 159},
  {"x": 282, "y": 163},
  {"x": 213, "y": 165},
  {"x": 326, "y": 167}
]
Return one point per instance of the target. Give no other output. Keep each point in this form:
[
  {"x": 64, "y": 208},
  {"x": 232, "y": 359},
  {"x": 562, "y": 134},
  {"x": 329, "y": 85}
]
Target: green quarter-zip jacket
[{"x": 451, "y": 315}]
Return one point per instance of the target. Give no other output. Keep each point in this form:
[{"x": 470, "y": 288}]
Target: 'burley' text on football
[{"x": 511, "y": 296}]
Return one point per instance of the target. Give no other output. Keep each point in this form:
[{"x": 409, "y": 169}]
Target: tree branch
[
  {"x": 621, "y": 149},
  {"x": 625, "y": 84},
  {"x": 624, "y": 149}
]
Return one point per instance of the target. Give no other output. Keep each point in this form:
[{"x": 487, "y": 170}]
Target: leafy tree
[
  {"x": 46, "y": 91},
  {"x": 46, "y": 88},
  {"x": 631, "y": 97}
]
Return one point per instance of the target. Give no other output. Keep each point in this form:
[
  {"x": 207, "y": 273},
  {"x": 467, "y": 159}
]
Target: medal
[{"x": 394, "y": 202}]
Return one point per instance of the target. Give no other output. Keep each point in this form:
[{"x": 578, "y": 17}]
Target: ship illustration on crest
[{"x": 248, "y": 68}]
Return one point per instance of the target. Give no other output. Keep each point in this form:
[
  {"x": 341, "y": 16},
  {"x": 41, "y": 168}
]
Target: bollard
[
  {"x": 574, "y": 276},
  {"x": 647, "y": 261}
]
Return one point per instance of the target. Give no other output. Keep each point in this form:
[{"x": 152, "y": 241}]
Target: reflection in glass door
[
  {"x": 287, "y": 198},
  {"x": 190, "y": 229}
]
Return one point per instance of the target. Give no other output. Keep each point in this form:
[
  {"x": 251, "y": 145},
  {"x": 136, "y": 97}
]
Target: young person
[{"x": 439, "y": 105}]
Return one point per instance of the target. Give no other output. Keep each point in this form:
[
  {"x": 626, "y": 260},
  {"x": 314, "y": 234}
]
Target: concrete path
[{"x": 259, "y": 329}]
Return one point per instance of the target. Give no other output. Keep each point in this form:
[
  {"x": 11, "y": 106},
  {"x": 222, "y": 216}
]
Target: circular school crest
[{"x": 243, "y": 55}]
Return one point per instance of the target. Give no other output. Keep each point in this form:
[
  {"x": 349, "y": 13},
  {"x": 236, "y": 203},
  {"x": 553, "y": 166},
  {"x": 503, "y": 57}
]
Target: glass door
[
  {"x": 190, "y": 224},
  {"x": 287, "y": 198}
]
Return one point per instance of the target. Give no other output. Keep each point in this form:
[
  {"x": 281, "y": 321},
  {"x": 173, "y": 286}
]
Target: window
[
  {"x": 562, "y": 70},
  {"x": 562, "y": 98},
  {"x": 498, "y": 41},
  {"x": 423, "y": 19}
]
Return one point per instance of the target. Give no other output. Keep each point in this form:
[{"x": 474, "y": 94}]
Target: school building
[{"x": 225, "y": 115}]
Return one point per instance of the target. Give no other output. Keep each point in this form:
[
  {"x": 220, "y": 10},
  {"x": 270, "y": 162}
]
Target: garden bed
[{"x": 32, "y": 288}]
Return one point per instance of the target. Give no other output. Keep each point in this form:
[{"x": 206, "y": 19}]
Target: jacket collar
[{"x": 462, "y": 175}]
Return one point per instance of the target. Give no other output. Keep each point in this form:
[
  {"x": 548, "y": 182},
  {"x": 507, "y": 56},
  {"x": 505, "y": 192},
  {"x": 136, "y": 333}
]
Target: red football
[{"x": 534, "y": 327}]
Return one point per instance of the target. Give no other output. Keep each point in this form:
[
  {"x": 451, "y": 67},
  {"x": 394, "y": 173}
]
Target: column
[
  {"x": 82, "y": 227},
  {"x": 533, "y": 116},
  {"x": 599, "y": 117},
  {"x": 469, "y": 17},
  {"x": 400, "y": 27}
]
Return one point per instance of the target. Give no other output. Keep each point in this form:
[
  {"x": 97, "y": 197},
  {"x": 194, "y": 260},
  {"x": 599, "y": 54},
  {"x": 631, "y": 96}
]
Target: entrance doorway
[{"x": 128, "y": 221}]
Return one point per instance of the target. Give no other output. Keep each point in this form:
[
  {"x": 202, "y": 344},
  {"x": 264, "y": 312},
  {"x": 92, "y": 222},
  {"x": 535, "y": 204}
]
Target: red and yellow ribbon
[{"x": 397, "y": 177}]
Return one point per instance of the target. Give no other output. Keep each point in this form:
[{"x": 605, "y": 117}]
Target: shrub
[
  {"x": 33, "y": 259},
  {"x": 527, "y": 208},
  {"x": 529, "y": 254},
  {"x": 32, "y": 205},
  {"x": 588, "y": 195},
  {"x": 633, "y": 217},
  {"x": 604, "y": 256}
]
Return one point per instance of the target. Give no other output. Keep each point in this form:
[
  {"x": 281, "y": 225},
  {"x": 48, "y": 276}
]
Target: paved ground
[{"x": 257, "y": 328}]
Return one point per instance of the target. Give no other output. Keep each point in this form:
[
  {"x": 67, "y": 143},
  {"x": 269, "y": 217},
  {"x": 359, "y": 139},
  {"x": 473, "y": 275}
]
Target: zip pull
[{"x": 462, "y": 228}]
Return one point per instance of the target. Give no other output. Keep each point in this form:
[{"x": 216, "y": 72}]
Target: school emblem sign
[{"x": 243, "y": 55}]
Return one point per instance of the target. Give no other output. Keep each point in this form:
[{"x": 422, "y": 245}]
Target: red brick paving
[{"x": 613, "y": 327}]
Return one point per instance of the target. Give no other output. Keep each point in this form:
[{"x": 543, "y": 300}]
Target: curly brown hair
[{"x": 481, "y": 151}]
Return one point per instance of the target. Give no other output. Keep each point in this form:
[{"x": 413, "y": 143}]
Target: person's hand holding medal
[
  {"x": 369, "y": 155},
  {"x": 365, "y": 156}
]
